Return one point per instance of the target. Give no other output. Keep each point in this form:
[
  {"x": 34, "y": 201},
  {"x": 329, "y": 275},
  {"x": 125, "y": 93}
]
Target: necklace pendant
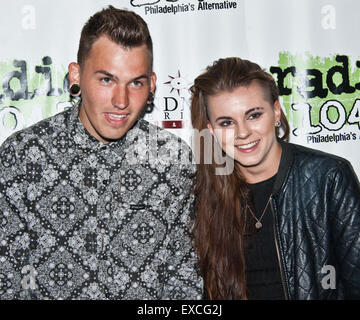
[{"x": 258, "y": 225}]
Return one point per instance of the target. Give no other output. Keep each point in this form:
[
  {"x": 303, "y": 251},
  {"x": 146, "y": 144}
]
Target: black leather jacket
[{"x": 316, "y": 208}]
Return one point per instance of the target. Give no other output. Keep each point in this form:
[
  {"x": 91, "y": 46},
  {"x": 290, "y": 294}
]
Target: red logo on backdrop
[{"x": 172, "y": 124}]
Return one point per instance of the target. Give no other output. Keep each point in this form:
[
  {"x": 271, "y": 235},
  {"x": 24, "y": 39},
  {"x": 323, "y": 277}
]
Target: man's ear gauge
[{"x": 75, "y": 90}]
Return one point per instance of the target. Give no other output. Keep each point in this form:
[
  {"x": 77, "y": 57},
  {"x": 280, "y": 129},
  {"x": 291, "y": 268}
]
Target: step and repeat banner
[{"x": 310, "y": 47}]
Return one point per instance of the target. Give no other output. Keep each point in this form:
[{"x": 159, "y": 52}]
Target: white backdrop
[{"x": 311, "y": 48}]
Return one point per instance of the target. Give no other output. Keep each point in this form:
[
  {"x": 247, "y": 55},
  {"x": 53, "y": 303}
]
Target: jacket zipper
[{"x": 278, "y": 253}]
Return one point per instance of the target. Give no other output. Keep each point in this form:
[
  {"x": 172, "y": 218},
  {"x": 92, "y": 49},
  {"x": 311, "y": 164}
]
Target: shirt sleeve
[
  {"x": 345, "y": 201},
  {"x": 15, "y": 272},
  {"x": 180, "y": 272}
]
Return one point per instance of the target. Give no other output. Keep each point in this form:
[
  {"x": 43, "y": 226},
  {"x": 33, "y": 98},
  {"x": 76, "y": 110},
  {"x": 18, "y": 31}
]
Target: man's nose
[{"x": 120, "y": 98}]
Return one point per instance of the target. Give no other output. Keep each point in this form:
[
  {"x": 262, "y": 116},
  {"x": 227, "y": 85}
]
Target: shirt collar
[{"x": 84, "y": 140}]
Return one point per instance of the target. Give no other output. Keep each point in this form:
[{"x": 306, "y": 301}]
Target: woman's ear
[
  {"x": 277, "y": 110},
  {"x": 209, "y": 126}
]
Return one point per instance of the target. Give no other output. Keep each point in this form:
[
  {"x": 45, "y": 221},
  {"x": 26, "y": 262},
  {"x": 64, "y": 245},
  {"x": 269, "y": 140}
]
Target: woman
[{"x": 285, "y": 222}]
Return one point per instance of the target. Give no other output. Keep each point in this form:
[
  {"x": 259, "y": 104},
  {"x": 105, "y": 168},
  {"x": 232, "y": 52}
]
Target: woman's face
[{"x": 243, "y": 122}]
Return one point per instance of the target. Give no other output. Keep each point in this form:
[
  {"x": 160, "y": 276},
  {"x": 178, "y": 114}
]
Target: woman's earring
[
  {"x": 278, "y": 124},
  {"x": 75, "y": 90}
]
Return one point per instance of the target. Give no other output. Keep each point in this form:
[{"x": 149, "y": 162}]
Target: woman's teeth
[{"x": 248, "y": 146}]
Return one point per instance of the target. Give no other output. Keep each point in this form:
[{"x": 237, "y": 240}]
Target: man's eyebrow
[
  {"x": 110, "y": 75},
  {"x": 141, "y": 77}
]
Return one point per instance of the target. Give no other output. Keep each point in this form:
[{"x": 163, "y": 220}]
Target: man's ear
[
  {"x": 74, "y": 73},
  {"x": 153, "y": 79}
]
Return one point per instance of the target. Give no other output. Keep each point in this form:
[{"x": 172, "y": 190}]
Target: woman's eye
[
  {"x": 255, "y": 115},
  {"x": 225, "y": 123}
]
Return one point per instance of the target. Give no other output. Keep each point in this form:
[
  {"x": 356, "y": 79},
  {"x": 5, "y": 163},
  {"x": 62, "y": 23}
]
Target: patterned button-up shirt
[{"x": 80, "y": 219}]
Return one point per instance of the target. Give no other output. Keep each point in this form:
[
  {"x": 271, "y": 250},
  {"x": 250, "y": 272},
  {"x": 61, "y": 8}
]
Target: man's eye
[
  {"x": 137, "y": 83},
  {"x": 105, "y": 80}
]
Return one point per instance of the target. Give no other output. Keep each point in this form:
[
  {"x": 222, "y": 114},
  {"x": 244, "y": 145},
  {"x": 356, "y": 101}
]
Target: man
[{"x": 95, "y": 202}]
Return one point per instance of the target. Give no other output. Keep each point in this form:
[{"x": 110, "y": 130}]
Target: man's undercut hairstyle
[{"x": 124, "y": 27}]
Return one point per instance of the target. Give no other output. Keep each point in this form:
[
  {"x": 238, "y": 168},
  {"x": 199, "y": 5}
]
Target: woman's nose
[{"x": 243, "y": 130}]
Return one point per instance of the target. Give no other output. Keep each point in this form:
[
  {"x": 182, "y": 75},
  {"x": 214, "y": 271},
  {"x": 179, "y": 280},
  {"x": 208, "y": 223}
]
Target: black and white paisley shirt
[{"x": 81, "y": 219}]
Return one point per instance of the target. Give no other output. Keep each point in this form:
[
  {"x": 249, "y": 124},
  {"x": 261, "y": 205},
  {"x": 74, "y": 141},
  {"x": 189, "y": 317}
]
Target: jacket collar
[{"x": 287, "y": 156}]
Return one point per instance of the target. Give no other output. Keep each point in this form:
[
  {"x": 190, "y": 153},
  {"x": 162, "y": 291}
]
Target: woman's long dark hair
[{"x": 220, "y": 199}]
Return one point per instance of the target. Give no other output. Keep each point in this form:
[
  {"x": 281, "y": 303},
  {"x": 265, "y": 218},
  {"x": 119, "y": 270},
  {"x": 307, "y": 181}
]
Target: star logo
[{"x": 178, "y": 83}]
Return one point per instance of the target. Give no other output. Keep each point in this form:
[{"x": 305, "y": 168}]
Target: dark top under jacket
[{"x": 262, "y": 266}]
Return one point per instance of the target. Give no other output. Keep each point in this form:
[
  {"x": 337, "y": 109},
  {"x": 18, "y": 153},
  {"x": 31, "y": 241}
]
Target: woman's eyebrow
[
  {"x": 253, "y": 109},
  {"x": 223, "y": 118}
]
